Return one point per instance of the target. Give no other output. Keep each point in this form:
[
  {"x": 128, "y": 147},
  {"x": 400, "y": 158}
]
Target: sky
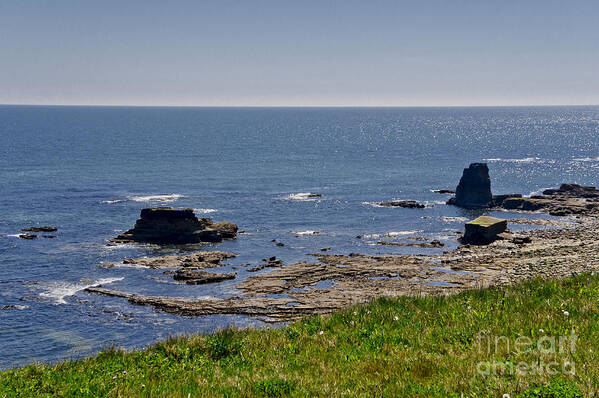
[{"x": 299, "y": 53}]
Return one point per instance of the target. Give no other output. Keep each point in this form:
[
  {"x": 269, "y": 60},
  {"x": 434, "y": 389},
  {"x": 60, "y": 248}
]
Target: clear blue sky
[{"x": 314, "y": 53}]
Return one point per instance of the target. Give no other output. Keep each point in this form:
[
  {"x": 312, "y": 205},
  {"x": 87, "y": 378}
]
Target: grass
[{"x": 474, "y": 344}]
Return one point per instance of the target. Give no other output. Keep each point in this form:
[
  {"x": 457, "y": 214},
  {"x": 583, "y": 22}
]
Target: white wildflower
[
  {"x": 395, "y": 318},
  {"x": 321, "y": 332}
]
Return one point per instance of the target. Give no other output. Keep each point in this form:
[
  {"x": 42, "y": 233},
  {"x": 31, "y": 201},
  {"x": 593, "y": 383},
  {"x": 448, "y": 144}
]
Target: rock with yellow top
[{"x": 484, "y": 230}]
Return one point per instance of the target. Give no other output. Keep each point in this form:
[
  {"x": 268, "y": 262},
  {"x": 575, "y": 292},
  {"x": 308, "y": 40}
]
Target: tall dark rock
[
  {"x": 176, "y": 226},
  {"x": 474, "y": 189}
]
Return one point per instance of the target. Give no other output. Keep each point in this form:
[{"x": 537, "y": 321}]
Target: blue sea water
[{"x": 89, "y": 171}]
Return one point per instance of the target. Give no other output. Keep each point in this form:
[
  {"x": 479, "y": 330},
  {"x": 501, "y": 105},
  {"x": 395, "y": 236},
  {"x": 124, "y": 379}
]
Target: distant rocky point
[
  {"x": 474, "y": 192},
  {"x": 166, "y": 225}
]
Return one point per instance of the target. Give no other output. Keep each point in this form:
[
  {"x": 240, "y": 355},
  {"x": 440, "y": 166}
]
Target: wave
[
  {"x": 454, "y": 219},
  {"x": 155, "y": 198},
  {"x": 435, "y": 202},
  {"x": 307, "y": 232},
  {"x": 522, "y": 160},
  {"x": 147, "y": 198},
  {"x": 303, "y": 196},
  {"x": 373, "y": 204},
  {"x": 401, "y": 233},
  {"x": 393, "y": 234},
  {"x": 595, "y": 159},
  {"x": 538, "y": 191},
  {"x": 57, "y": 291},
  {"x": 204, "y": 211}
]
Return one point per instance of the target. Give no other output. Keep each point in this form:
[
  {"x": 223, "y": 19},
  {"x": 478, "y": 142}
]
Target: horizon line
[{"x": 295, "y": 106}]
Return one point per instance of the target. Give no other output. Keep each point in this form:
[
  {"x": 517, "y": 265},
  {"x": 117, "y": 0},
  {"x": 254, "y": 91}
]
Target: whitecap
[
  {"x": 147, "y": 198},
  {"x": 522, "y": 160},
  {"x": 12, "y": 235},
  {"x": 539, "y": 191},
  {"x": 57, "y": 291},
  {"x": 401, "y": 233},
  {"x": 596, "y": 159},
  {"x": 303, "y": 196},
  {"x": 373, "y": 204},
  {"x": 454, "y": 219},
  {"x": 309, "y": 232},
  {"x": 205, "y": 211},
  {"x": 435, "y": 202},
  {"x": 155, "y": 198},
  {"x": 393, "y": 234}
]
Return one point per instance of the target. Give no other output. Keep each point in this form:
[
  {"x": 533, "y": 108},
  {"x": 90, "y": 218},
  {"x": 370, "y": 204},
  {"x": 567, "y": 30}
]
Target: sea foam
[
  {"x": 147, "y": 198},
  {"x": 204, "y": 211},
  {"x": 302, "y": 196},
  {"x": 58, "y": 291},
  {"x": 596, "y": 159},
  {"x": 522, "y": 160}
]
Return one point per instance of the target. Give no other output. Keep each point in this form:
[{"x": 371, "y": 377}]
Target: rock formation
[
  {"x": 474, "y": 189},
  {"x": 176, "y": 226},
  {"x": 484, "y": 230},
  {"x": 40, "y": 229},
  {"x": 409, "y": 204},
  {"x": 573, "y": 190},
  {"x": 569, "y": 199},
  {"x": 194, "y": 277}
]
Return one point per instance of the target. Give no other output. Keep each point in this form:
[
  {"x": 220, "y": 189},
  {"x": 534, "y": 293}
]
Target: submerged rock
[
  {"x": 40, "y": 229},
  {"x": 474, "y": 189},
  {"x": 176, "y": 226},
  {"x": 270, "y": 262},
  {"x": 484, "y": 230},
  {"x": 430, "y": 245},
  {"x": 444, "y": 191},
  {"x": 197, "y": 260},
  {"x": 409, "y": 204}
]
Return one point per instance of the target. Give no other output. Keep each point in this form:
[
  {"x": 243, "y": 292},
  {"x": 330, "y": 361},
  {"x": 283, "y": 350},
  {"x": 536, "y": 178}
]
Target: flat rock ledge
[
  {"x": 166, "y": 225},
  {"x": 194, "y": 277},
  {"x": 188, "y": 267},
  {"x": 290, "y": 292},
  {"x": 568, "y": 200}
]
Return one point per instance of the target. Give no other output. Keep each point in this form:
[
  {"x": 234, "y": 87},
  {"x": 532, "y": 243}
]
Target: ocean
[{"x": 90, "y": 170}]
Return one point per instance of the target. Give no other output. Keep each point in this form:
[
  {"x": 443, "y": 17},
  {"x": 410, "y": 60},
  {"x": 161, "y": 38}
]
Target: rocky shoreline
[{"x": 288, "y": 292}]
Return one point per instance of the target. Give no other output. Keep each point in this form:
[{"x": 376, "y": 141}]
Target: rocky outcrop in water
[
  {"x": 569, "y": 199},
  {"x": 165, "y": 225},
  {"x": 40, "y": 229},
  {"x": 189, "y": 267},
  {"x": 573, "y": 190},
  {"x": 409, "y": 204},
  {"x": 474, "y": 189}
]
